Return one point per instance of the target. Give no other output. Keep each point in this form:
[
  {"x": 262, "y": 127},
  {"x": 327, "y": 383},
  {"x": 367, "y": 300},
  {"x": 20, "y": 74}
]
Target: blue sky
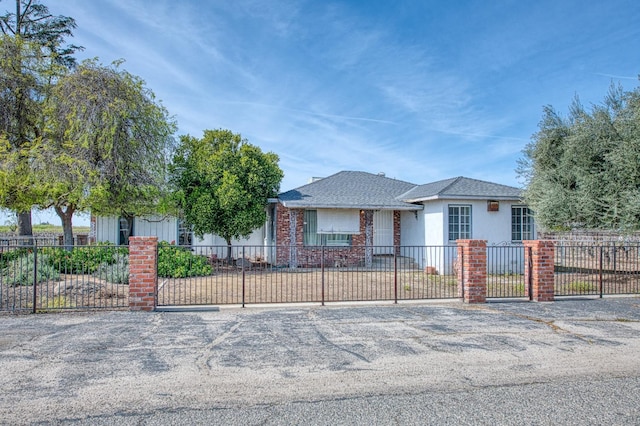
[{"x": 419, "y": 90}]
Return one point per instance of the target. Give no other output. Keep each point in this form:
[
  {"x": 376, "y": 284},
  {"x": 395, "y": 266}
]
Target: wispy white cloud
[
  {"x": 618, "y": 77},
  {"x": 419, "y": 91}
]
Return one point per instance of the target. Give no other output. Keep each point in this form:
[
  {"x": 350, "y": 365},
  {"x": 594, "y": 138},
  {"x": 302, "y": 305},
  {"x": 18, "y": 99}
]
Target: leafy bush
[
  {"x": 83, "y": 260},
  {"x": 179, "y": 262},
  {"x": 116, "y": 272},
  {"x": 20, "y": 271},
  {"x": 10, "y": 255}
]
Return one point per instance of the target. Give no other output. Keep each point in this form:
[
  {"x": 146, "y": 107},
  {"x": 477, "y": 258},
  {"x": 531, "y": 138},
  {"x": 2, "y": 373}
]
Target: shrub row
[
  {"x": 103, "y": 261},
  {"x": 180, "y": 262}
]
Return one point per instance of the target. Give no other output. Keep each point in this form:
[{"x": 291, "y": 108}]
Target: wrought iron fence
[
  {"x": 505, "y": 271},
  {"x": 590, "y": 269},
  {"x": 43, "y": 278},
  {"x": 279, "y": 274},
  {"x": 11, "y": 241}
]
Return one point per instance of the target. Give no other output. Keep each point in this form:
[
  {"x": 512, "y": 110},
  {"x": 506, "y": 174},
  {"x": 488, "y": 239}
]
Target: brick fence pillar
[
  {"x": 143, "y": 273},
  {"x": 472, "y": 270},
  {"x": 539, "y": 269}
]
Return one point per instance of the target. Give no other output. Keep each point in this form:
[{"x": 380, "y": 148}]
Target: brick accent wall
[
  {"x": 143, "y": 279},
  {"x": 472, "y": 270},
  {"x": 541, "y": 273},
  {"x": 292, "y": 252}
]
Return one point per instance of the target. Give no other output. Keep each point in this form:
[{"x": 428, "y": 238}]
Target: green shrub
[
  {"x": 10, "y": 255},
  {"x": 82, "y": 260},
  {"x": 116, "y": 272},
  {"x": 20, "y": 271},
  {"x": 179, "y": 262}
]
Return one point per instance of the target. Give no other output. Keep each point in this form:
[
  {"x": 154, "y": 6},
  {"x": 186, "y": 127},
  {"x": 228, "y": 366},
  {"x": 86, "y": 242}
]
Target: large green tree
[
  {"x": 21, "y": 69},
  {"x": 223, "y": 183},
  {"x": 583, "y": 170},
  {"x": 105, "y": 145},
  {"x": 32, "y": 53}
]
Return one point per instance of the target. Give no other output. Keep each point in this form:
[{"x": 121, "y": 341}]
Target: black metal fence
[
  {"x": 589, "y": 269},
  {"x": 505, "y": 271},
  {"x": 49, "y": 277},
  {"x": 12, "y": 241},
  {"x": 258, "y": 274},
  {"x": 42, "y": 278}
]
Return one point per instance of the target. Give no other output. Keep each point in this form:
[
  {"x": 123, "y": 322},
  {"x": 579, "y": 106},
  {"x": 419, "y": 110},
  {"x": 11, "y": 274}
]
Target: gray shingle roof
[
  {"x": 361, "y": 190},
  {"x": 461, "y": 187},
  {"x": 348, "y": 189}
]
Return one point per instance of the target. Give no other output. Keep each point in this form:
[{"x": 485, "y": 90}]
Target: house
[
  {"x": 357, "y": 216},
  {"x": 171, "y": 229},
  {"x": 350, "y": 210}
]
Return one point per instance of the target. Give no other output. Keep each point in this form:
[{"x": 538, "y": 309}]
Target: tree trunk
[
  {"x": 24, "y": 224},
  {"x": 67, "y": 227},
  {"x": 24, "y": 227},
  {"x": 229, "y": 259}
]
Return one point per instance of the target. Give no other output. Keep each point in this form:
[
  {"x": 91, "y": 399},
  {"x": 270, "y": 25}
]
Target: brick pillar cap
[
  {"x": 471, "y": 242},
  {"x": 142, "y": 238}
]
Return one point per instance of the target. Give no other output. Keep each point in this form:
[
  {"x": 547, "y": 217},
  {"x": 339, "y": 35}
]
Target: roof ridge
[
  {"x": 455, "y": 180},
  {"x": 401, "y": 196},
  {"x": 495, "y": 183}
]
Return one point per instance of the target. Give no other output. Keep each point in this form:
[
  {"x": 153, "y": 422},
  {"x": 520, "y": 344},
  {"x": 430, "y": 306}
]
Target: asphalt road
[{"x": 568, "y": 362}]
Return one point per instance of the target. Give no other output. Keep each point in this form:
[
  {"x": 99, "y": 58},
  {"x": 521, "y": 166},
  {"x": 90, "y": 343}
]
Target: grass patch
[
  {"x": 46, "y": 228},
  {"x": 57, "y": 302},
  {"x": 581, "y": 286}
]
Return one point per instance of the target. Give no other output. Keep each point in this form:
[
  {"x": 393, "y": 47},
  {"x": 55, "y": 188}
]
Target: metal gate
[{"x": 215, "y": 275}]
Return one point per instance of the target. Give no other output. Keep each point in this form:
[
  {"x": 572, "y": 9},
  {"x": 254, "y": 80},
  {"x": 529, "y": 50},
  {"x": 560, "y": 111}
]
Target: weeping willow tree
[
  {"x": 583, "y": 170},
  {"x": 105, "y": 145}
]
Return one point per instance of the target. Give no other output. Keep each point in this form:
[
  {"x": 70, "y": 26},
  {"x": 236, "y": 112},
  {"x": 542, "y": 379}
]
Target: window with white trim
[
  {"x": 313, "y": 238},
  {"x": 521, "y": 223},
  {"x": 459, "y": 222}
]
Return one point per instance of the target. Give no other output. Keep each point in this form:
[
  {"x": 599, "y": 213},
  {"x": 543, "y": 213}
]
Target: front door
[{"x": 383, "y": 232}]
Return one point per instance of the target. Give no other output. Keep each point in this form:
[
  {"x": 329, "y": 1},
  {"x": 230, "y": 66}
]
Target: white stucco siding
[
  {"x": 434, "y": 223},
  {"x": 424, "y": 243},
  {"x": 495, "y": 227},
  {"x": 492, "y": 226},
  {"x": 412, "y": 230}
]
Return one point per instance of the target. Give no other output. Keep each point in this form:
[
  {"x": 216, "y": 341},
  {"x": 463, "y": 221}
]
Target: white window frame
[
  {"x": 522, "y": 226},
  {"x": 456, "y": 228}
]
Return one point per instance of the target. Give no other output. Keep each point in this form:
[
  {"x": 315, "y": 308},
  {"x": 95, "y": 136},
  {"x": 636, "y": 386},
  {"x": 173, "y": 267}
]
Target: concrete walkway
[{"x": 572, "y": 361}]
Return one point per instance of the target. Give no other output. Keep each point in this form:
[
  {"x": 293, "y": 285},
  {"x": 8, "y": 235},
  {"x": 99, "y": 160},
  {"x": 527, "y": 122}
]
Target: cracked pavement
[{"x": 263, "y": 365}]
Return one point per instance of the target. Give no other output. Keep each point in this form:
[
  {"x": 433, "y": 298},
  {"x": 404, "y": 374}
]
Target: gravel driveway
[{"x": 422, "y": 363}]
